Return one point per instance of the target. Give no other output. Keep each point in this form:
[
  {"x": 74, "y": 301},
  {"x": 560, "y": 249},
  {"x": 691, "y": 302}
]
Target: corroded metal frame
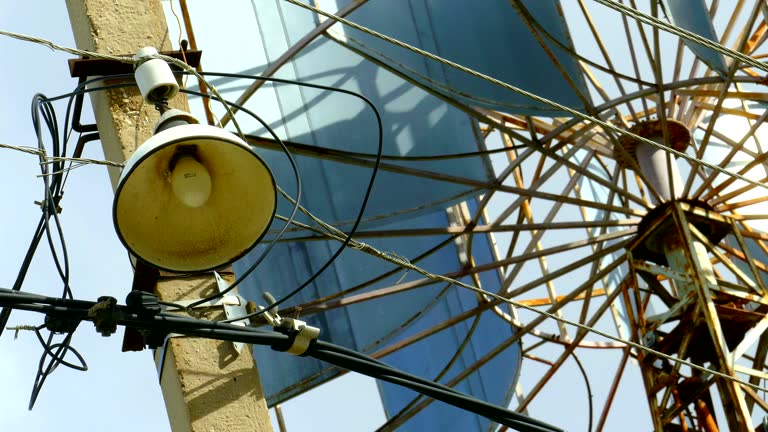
[{"x": 544, "y": 188}]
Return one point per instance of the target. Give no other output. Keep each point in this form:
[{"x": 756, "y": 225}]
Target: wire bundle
[
  {"x": 163, "y": 323},
  {"x": 346, "y": 237},
  {"x": 44, "y": 116},
  {"x": 330, "y": 353},
  {"x": 54, "y": 181}
]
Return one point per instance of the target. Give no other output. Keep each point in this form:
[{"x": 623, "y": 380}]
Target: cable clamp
[
  {"x": 143, "y": 302},
  {"x": 104, "y": 315},
  {"x": 300, "y": 336},
  {"x": 58, "y": 324},
  {"x": 44, "y": 204},
  {"x": 271, "y": 315}
]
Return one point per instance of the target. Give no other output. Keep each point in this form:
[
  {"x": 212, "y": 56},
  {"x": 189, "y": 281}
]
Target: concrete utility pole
[{"x": 206, "y": 386}]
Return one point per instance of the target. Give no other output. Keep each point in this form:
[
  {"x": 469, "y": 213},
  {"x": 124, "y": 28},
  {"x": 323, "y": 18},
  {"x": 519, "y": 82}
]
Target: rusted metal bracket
[
  {"x": 90, "y": 67},
  {"x": 233, "y": 304}
]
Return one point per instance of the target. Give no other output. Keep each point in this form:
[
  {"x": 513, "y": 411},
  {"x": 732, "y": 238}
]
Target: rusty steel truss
[{"x": 582, "y": 233}]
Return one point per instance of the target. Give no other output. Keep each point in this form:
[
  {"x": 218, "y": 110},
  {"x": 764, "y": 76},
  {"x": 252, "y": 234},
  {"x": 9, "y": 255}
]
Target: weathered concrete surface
[{"x": 205, "y": 386}]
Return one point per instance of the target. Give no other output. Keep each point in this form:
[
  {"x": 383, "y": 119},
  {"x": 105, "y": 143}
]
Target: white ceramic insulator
[{"x": 154, "y": 77}]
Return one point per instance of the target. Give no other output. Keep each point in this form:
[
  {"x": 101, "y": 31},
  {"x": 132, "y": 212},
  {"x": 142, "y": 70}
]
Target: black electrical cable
[
  {"x": 409, "y": 410},
  {"x": 82, "y": 90},
  {"x": 381, "y": 370},
  {"x": 361, "y": 363},
  {"x": 172, "y": 305},
  {"x": 56, "y": 358},
  {"x": 53, "y": 185},
  {"x": 275, "y": 240},
  {"x": 425, "y": 158},
  {"x": 166, "y": 323},
  {"x": 53, "y": 179},
  {"x": 589, "y": 388},
  {"x": 364, "y": 202},
  {"x": 78, "y": 100},
  {"x": 15, "y": 297},
  {"x": 52, "y": 182},
  {"x": 51, "y": 190},
  {"x": 75, "y": 108},
  {"x": 5, "y": 313},
  {"x": 379, "y": 366},
  {"x": 46, "y": 205},
  {"x": 41, "y": 374},
  {"x": 436, "y": 391},
  {"x": 363, "y": 205}
]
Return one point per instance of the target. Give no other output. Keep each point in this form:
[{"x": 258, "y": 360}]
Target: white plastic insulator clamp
[{"x": 154, "y": 77}]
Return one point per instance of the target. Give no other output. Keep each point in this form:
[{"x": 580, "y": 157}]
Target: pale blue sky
[
  {"x": 119, "y": 392},
  {"x": 70, "y": 400}
]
